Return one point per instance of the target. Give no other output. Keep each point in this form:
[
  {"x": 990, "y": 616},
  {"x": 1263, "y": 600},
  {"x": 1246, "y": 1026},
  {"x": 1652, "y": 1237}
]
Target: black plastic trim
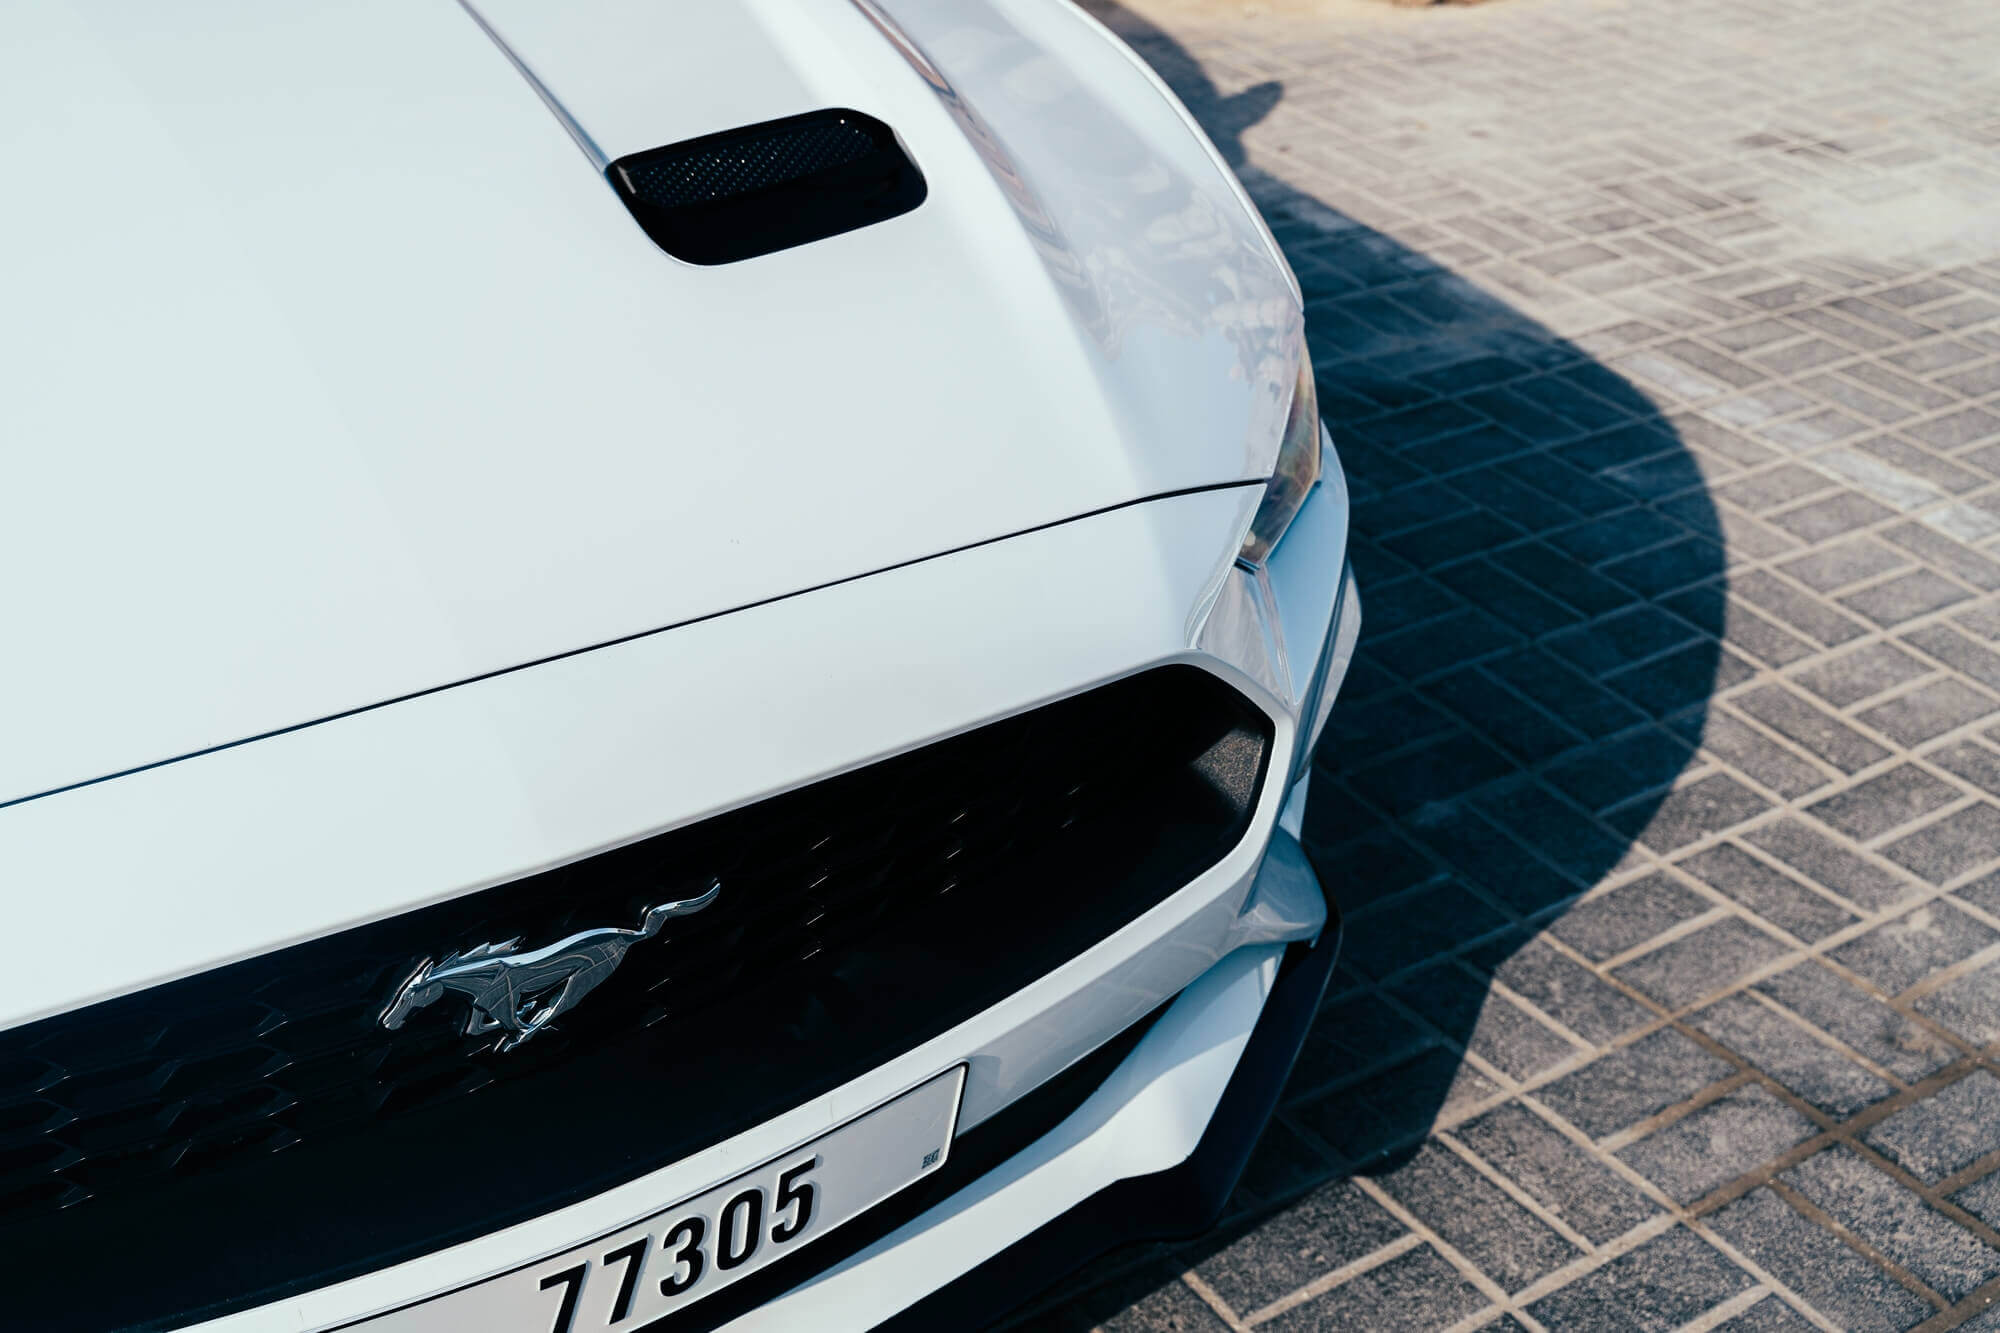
[{"x": 750, "y": 191}]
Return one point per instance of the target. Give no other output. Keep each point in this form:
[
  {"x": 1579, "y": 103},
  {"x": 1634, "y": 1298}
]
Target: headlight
[{"x": 1296, "y": 471}]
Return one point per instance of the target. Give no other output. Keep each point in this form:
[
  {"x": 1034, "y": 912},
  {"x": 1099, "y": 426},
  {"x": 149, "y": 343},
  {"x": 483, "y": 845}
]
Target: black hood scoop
[{"x": 749, "y": 191}]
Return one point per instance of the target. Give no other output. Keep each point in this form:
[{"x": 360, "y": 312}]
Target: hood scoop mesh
[{"x": 750, "y": 191}]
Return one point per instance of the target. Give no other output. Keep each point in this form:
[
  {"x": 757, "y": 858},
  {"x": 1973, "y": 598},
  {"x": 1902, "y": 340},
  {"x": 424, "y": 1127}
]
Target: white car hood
[{"x": 336, "y": 372}]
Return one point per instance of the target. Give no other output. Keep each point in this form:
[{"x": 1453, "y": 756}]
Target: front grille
[{"x": 261, "y": 1107}]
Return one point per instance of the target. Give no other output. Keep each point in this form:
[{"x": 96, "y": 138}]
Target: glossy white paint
[
  {"x": 238, "y": 852},
  {"x": 337, "y": 372}
]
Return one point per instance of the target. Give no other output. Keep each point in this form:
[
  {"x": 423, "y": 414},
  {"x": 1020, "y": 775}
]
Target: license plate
[{"x": 702, "y": 1244}]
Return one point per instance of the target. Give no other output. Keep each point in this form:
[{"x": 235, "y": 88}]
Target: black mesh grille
[
  {"x": 762, "y": 188},
  {"x": 858, "y": 917},
  {"x": 677, "y": 179}
]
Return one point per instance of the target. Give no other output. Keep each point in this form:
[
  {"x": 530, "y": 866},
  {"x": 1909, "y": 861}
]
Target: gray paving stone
[
  {"x": 1801, "y": 434},
  {"x": 1802, "y": 611},
  {"x": 1570, "y": 994},
  {"x": 1982, "y": 1199},
  {"x": 1983, "y": 893},
  {"x": 1969, "y": 1005},
  {"x": 1929, "y": 711},
  {"x": 1905, "y": 597},
  {"x": 1898, "y": 954},
  {"x": 1762, "y": 638},
  {"x": 1687, "y": 814},
  {"x": 1963, "y": 314},
  {"x": 1475, "y": 1217},
  {"x": 1629, "y": 1084},
  {"x": 1476, "y": 847},
  {"x": 1358, "y": 1032},
  {"x": 1681, "y": 680},
  {"x": 1944, "y": 553},
  {"x": 1573, "y": 698},
  {"x": 1898, "y": 1044},
  {"x": 1985, "y": 1321},
  {"x": 1792, "y": 1055},
  {"x": 1756, "y": 756},
  {"x": 1913, "y": 458},
  {"x": 1826, "y": 863},
  {"x": 1819, "y": 520},
  {"x": 1713, "y": 1145},
  {"x": 1931, "y": 357},
  {"x": 1799, "y": 356},
  {"x": 1852, "y": 677},
  {"x": 1770, "y": 1315},
  {"x": 1769, "y": 892},
  {"x": 1663, "y": 1284},
  {"x": 1884, "y": 802},
  {"x": 1414, "y": 927},
  {"x": 1972, "y": 761},
  {"x": 1845, "y": 330},
  {"x": 1977, "y": 382},
  {"x": 1838, "y": 389},
  {"x": 1600, "y": 775},
  {"x": 1587, "y": 1195},
  {"x": 1392, "y": 1107},
  {"x": 1682, "y": 971},
  {"x": 1820, "y": 733},
  {"x": 1619, "y": 640},
  {"x": 1945, "y": 1133},
  {"x": 1962, "y": 841},
  {"x": 1627, "y": 916},
  {"x": 1833, "y": 1278},
  {"x": 1520, "y": 606},
  {"x": 1489, "y": 1025},
  {"x": 1774, "y": 487},
  {"x": 1874, "y": 1207},
  {"x": 1921, "y": 292},
  {"x": 1326, "y": 1230},
  {"x": 1830, "y": 568},
  {"x": 1415, "y": 1292}
]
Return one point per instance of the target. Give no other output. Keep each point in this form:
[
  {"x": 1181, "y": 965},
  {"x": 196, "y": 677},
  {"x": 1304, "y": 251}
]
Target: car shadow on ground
[{"x": 1538, "y": 566}]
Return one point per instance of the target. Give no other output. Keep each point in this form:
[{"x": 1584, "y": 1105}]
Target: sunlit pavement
[{"x": 1661, "y": 340}]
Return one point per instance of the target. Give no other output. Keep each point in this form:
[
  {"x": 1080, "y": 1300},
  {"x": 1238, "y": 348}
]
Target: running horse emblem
[{"x": 521, "y": 991}]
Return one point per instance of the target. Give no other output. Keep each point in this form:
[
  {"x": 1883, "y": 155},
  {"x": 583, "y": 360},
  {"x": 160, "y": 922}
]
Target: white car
[{"x": 660, "y": 663}]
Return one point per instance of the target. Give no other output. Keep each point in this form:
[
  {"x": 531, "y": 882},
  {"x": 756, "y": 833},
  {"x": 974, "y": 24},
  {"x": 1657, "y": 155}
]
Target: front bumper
[
  {"x": 234, "y": 852},
  {"x": 1178, "y": 1201},
  {"x": 1152, "y": 1155}
]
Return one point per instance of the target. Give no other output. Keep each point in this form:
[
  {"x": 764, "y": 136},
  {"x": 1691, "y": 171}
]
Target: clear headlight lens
[{"x": 1296, "y": 471}]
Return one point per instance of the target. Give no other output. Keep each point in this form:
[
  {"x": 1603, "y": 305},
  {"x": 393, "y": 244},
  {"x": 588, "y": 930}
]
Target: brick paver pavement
[{"x": 1661, "y": 339}]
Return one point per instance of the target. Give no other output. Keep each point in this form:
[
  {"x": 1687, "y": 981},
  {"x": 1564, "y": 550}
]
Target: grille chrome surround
[{"x": 865, "y": 914}]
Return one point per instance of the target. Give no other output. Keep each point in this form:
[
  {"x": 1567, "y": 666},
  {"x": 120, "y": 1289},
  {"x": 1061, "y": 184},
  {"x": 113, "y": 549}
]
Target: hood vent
[{"x": 750, "y": 191}]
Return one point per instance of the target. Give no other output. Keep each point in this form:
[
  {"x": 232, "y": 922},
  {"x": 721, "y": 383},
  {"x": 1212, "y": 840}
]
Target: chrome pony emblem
[{"x": 523, "y": 992}]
